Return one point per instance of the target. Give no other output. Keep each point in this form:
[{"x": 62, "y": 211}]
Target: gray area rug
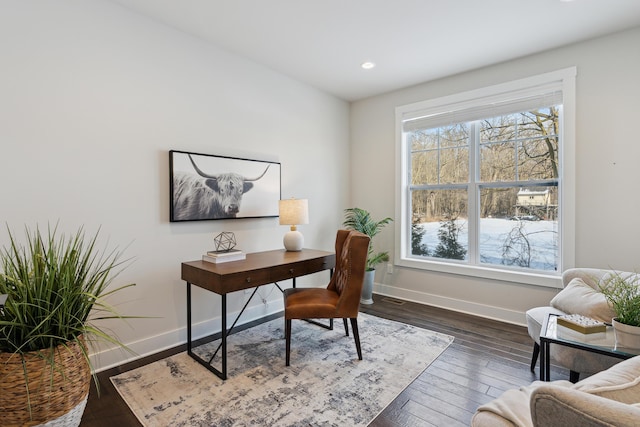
[{"x": 326, "y": 384}]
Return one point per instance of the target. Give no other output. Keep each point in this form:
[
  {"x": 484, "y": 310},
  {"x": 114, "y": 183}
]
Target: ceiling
[{"x": 324, "y": 42}]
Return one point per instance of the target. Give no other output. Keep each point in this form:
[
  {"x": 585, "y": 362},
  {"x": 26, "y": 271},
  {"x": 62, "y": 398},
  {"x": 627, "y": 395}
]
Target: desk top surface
[
  {"x": 260, "y": 260},
  {"x": 257, "y": 269}
]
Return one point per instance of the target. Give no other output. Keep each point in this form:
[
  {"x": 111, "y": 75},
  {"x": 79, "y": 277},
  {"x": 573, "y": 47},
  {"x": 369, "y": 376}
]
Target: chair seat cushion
[
  {"x": 310, "y": 303},
  {"x": 536, "y": 316}
]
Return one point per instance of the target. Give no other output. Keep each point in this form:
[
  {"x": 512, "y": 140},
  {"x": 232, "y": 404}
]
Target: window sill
[{"x": 549, "y": 280}]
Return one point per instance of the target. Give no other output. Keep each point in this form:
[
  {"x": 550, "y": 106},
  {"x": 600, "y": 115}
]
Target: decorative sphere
[{"x": 225, "y": 241}]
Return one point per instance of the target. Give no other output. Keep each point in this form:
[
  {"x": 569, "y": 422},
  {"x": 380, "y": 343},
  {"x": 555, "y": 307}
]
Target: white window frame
[{"x": 563, "y": 80}]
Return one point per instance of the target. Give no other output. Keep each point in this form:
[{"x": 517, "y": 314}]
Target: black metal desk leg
[
  {"x": 224, "y": 336},
  {"x": 188, "y": 318},
  {"x": 222, "y": 374}
]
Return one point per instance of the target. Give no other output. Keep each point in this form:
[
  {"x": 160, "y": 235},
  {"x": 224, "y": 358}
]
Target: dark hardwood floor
[{"x": 485, "y": 359}]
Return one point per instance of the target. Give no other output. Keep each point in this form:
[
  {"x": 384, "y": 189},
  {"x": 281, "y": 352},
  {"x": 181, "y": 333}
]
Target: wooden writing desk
[{"x": 257, "y": 269}]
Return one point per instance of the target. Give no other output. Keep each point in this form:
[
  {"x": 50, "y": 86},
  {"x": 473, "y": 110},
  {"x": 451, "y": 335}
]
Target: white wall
[
  {"x": 92, "y": 98},
  {"x": 607, "y": 153}
]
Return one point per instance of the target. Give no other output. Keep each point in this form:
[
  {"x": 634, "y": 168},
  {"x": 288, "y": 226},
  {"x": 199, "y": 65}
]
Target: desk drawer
[
  {"x": 285, "y": 272},
  {"x": 245, "y": 280}
]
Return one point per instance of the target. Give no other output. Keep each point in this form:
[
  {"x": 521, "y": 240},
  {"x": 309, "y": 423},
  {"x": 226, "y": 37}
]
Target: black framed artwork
[{"x": 208, "y": 187}]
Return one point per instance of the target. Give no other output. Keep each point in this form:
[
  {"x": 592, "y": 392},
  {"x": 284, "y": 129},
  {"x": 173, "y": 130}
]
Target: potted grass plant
[
  {"x": 360, "y": 220},
  {"x": 55, "y": 288},
  {"x": 622, "y": 291}
]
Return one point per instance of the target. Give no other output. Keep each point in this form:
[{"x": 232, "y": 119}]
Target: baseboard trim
[{"x": 482, "y": 310}]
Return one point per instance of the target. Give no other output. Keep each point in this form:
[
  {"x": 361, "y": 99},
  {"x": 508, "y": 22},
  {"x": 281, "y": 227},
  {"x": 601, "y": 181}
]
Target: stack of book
[
  {"x": 582, "y": 328},
  {"x": 218, "y": 257}
]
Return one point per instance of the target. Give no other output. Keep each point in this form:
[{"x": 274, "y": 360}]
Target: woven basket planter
[{"x": 53, "y": 393}]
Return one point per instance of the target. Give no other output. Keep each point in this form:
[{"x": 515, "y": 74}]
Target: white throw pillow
[{"x": 579, "y": 298}]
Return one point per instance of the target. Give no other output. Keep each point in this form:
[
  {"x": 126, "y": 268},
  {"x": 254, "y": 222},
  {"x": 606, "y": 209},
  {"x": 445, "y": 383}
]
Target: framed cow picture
[{"x": 206, "y": 187}]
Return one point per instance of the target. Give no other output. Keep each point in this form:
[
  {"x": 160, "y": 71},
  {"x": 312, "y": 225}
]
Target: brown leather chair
[{"x": 341, "y": 298}]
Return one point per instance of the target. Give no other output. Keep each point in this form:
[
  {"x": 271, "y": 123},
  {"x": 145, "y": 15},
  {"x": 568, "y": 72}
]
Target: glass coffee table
[{"x": 605, "y": 344}]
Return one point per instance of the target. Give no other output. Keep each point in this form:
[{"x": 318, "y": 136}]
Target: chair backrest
[{"x": 351, "y": 259}]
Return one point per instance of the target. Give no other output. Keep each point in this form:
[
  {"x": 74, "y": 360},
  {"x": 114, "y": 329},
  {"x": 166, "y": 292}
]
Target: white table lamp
[{"x": 294, "y": 212}]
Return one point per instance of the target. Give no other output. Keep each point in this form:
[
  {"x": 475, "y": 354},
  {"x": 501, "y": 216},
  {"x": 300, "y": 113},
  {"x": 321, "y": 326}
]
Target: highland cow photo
[{"x": 205, "y": 187}]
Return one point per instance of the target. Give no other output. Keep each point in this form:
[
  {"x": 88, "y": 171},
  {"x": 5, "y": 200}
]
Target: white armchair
[{"x": 580, "y": 295}]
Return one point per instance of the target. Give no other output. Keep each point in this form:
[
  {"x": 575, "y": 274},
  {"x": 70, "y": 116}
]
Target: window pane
[
  {"x": 498, "y": 202},
  {"x": 454, "y": 165},
  {"x": 423, "y": 139},
  {"x": 540, "y": 122},
  {"x": 497, "y": 129},
  {"x": 534, "y": 133},
  {"x": 519, "y": 227},
  {"x": 439, "y": 226},
  {"x": 538, "y": 159},
  {"x": 454, "y": 136},
  {"x": 440, "y": 155},
  {"x": 424, "y": 167},
  {"x": 497, "y": 162}
]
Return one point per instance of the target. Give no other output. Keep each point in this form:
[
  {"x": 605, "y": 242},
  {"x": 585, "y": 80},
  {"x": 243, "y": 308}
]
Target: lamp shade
[{"x": 294, "y": 212}]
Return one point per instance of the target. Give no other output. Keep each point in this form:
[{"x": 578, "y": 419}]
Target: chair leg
[
  {"x": 574, "y": 376},
  {"x": 287, "y": 335},
  {"x": 356, "y": 336},
  {"x": 534, "y": 357},
  {"x": 346, "y": 327}
]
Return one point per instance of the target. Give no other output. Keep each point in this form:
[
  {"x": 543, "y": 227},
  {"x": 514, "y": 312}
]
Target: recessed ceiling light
[{"x": 368, "y": 65}]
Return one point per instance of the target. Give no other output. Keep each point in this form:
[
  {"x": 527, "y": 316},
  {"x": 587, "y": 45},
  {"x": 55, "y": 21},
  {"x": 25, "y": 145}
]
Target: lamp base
[{"x": 293, "y": 241}]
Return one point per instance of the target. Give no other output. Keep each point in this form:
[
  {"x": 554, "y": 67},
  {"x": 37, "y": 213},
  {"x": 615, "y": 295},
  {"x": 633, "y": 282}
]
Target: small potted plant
[
  {"x": 622, "y": 291},
  {"x": 54, "y": 287},
  {"x": 360, "y": 220}
]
